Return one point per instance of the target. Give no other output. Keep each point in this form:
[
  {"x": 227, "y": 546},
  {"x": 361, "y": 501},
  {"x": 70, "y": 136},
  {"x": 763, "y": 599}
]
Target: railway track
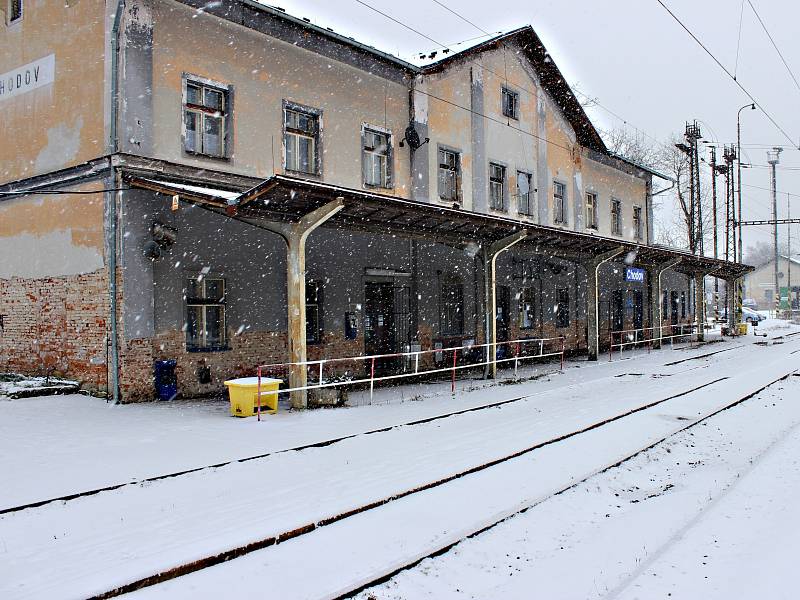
[
  {"x": 299, "y": 448},
  {"x": 298, "y": 532}
]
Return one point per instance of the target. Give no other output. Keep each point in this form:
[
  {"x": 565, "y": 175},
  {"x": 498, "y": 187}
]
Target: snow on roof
[{"x": 224, "y": 194}]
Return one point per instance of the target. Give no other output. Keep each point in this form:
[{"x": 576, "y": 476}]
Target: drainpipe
[{"x": 111, "y": 199}]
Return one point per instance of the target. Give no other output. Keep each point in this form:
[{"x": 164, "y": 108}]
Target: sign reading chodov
[
  {"x": 634, "y": 274},
  {"x": 28, "y": 77}
]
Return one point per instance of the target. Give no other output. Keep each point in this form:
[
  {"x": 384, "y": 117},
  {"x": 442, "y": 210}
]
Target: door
[
  {"x": 617, "y": 311},
  {"x": 379, "y": 323},
  {"x": 673, "y": 316},
  {"x": 638, "y": 309}
]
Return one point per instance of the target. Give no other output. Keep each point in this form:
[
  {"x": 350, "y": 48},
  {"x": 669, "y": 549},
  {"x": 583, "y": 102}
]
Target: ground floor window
[
  {"x": 527, "y": 312},
  {"x": 451, "y": 307},
  {"x": 562, "y": 307},
  {"x": 314, "y": 312},
  {"x": 683, "y": 305},
  {"x": 205, "y": 314}
]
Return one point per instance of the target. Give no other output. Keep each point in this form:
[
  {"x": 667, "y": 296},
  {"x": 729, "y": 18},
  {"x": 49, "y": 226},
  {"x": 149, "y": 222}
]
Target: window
[
  {"x": 205, "y": 314},
  {"x": 525, "y": 193},
  {"x": 205, "y": 112},
  {"x": 377, "y": 157},
  {"x": 510, "y": 104},
  {"x": 451, "y": 303},
  {"x": 591, "y": 210},
  {"x": 559, "y": 203},
  {"x": 637, "y": 222},
  {"x": 14, "y": 10},
  {"x": 449, "y": 175},
  {"x": 665, "y": 305},
  {"x": 562, "y": 307},
  {"x": 313, "y": 312},
  {"x": 301, "y": 138},
  {"x": 683, "y": 305},
  {"x": 527, "y": 308},
  {"x": 497, "y": 186},
  {"x": 616, "y": 217}
]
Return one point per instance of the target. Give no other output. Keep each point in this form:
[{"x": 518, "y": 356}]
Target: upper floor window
[
  {"x": 301, "y": 139},
  {"x": 591, "y": 210},
  {"x": 205, "y": 313},
  {"x": 510, "y": 104},
  {"x": 377, "y": 158},
  {"x": 14, "y": 10},
  {"x": 313, "y": 312},
  {"x": 449, "y": 175},
  {"x": 497, "y": 186},
  {"x": 637, "y": 222},
  {"x": 559, "y": 203},
  {"x": 525, "y": 193},
  {"x": 205, "y": 117},
  {"x": 616, "y": 217}
]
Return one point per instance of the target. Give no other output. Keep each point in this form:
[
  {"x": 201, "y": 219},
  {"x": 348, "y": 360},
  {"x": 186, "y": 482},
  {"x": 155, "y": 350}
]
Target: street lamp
[
  {"x": 752, "y": 106},
  {"x": 773, "y": 158}
]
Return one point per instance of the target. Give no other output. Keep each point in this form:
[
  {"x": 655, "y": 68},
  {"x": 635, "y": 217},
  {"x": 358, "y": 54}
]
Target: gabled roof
[{"x": 550, "y": 76}]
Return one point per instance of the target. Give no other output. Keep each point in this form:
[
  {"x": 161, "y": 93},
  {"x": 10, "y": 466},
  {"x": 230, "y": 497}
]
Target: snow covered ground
[{"x": 95, "y": 543}]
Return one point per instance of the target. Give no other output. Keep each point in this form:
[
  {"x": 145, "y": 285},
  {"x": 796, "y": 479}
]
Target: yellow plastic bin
[
  {"x": 243, "y": 393},
  {"x": 742, "y": 328}
]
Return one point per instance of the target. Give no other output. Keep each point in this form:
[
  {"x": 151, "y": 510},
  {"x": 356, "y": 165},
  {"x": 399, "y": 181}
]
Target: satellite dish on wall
[{"x": 412, "y": 138}]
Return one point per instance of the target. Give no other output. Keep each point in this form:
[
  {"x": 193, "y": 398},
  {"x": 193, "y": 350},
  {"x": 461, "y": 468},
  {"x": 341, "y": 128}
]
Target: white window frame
[
  {"x": 529, "y": 211},
  {"x": 387, "y": 179},
  {"x": 224, "y": 116},
  {"x": 456, "y": 171},
  {"x": 591, "y": 210},
  {"x": 616, "y": 216},
  {"x": 514, "y": 111},
  {"x": 204, "y": 303},
  {"x": 637, "y": 222},
  {"x": 497, "y": 186},
  {"x": 10, "y": 20},
  {"x": 316, "y": 137},
  {"x": 560, "y": 215}
]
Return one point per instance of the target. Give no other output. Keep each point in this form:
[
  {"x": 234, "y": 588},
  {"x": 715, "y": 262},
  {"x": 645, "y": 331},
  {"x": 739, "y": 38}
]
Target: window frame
[
  {"x": 616, "y": 216},
  {"x": 318, "y": 304},
  {"x": 388, "y": 176},
  {"x": 683, "y": 305},
  {"x": 456, "y": 170},
  {"x": 451, "y": 309},
  {"x": 13, "y": 20},
  {"x": 591, "y": 223},
  {"x": 225, "y": 117},
  {"x": 204, "y": 302},
  {"x": 529, "y": 212},
  {"x": 562, "y": 317},
  {"x": 309, "y": 111},
  {"x": 637, "y": 222},
  {"x": 514, "y": 95},
  {"x": 560, "y": 218},
  {"x": 502, "y": 181},
  {"x": 529, "y": 312}
]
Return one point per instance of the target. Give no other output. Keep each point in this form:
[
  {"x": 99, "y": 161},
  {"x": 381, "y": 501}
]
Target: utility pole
[
  {"x": 773, "y": 158},
  {"x": 789, "y": 251},
  {"x": 716, "y": 170},
  {"x": 729, "y": 154},
  {"x": 695, "y": 220},
  {"x": 751, "y": 106}
]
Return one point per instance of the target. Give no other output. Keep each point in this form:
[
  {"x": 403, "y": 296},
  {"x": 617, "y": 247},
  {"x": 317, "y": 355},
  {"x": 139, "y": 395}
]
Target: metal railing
[
  {"x": 649, "y": 335},
  {"x": 414, "y": 364}
]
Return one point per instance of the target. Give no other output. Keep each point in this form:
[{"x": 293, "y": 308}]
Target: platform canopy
[{"x": 286, "y": 199}]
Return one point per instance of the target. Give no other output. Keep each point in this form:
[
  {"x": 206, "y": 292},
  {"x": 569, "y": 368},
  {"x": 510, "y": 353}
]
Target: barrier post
[
  {"x": 563, "y": 344},
  {"x": 610, "y": 346},
  {"x": 453, "y": 376},
  {"x": 371, "y": 379},
  {"x": 258, "y": 396},
  {"x": 322, "y": 362}
]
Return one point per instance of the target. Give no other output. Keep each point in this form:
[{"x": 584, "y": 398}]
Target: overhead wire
[
  {"x": 774, "y": 45},
  {"x": 727, "y": 72}
]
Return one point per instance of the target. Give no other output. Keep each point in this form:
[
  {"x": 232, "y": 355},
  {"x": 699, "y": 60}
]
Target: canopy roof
[{"x": 286, "y": 199}]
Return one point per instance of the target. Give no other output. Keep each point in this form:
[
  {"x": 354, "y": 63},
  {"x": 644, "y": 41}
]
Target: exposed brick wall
[{"x": 56, "y": 325}]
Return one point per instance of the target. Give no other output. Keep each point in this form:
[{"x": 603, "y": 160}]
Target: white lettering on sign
[
  {"x": 633, "y": 274},
  {"x": 29, "y": 77}
]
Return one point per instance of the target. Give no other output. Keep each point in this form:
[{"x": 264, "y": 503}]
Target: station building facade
[{"x": 227, "y": 185}]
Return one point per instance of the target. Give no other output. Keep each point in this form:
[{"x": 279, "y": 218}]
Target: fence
[
  {"x": 445, "y": 360},
  {"x": 647, "y": 335}
]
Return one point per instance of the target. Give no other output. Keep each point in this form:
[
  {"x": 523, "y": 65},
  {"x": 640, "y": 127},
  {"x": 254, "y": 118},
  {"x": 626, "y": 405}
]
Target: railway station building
[{"x": 227, "y": 185}]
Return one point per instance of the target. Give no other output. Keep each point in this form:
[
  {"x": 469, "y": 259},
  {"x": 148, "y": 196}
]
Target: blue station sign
[{"x": 634, "y": 274}]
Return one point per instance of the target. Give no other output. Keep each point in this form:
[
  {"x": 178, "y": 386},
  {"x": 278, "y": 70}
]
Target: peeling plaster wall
[
  {"x": 60, "y": 124},
  {"x": 51, "y": 236},
  {"x": 263, "y": 71}
]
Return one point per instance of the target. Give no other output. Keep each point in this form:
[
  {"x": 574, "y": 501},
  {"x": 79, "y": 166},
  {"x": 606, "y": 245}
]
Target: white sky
[{"x": 636, "y": 61}]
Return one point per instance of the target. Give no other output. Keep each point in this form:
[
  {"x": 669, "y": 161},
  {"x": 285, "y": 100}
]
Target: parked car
[
  {"x": 748, "y": 316},
  {"x": 750, "y": 303}
]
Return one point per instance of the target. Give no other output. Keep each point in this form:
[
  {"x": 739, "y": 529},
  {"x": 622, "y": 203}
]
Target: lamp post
[
  {"x": 773, "y": 158},
  {"x": 752, "y": 106}
]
